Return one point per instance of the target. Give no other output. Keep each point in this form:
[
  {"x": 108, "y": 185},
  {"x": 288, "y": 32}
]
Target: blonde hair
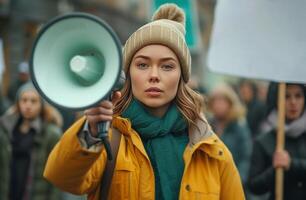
[
  {"x": 189, "y": 102},
  {"x": 237, "y": 110}
]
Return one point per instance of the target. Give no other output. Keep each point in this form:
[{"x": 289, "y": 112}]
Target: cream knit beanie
[{"x": 167, "y": 28}]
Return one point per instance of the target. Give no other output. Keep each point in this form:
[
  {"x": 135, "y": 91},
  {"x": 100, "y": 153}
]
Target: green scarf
[{"x": 165, "y": 140}]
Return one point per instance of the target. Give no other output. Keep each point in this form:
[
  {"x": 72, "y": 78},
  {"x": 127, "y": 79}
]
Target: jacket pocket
[
  {"x": 202, "y": 196},
  {"x": 200, "y": 192},
  {"x": 208, "y": 196},
  {"x": 123, "y": 182}
]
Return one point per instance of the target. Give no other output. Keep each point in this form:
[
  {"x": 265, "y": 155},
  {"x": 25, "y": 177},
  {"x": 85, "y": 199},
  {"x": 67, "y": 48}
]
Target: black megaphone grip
[{"x": 103, "y": 128}]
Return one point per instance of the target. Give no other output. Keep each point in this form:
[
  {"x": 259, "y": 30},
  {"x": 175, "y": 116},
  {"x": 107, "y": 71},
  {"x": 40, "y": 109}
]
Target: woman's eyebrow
[
  {"x": 168, "y": 58},
  {"x": 161, "y": 59},
  {"x": 142, "y": 56}
]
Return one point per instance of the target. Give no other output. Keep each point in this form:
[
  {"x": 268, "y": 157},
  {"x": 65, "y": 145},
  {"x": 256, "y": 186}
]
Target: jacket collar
[
  {"x": 200, "y": 133},
  {"x": 195, "y": 135},
  {"x": 9, "y": 121},
  {"x": 202, "y": 139}
]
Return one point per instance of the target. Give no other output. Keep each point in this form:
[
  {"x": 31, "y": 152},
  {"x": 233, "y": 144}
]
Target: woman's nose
[
  {"x": 154, "y": 74},
  {"x": 292, "y": 100},
  {"x": 28, "y": 104}
]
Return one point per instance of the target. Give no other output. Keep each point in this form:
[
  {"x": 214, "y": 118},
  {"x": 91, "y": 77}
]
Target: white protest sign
[{"x": 263, "y": 39}]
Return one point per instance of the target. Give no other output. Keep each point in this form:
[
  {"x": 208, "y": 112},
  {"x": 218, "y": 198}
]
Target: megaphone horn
[{"x": 76, "y": 61}]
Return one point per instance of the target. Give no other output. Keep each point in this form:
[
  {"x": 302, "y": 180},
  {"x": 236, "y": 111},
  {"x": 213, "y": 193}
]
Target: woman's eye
[
  {"x": 299, "y": 95},
  {"x": 167, "y": 67},
  {"x": 142, "y": 65},
  {"x": 33, "y": 101}
]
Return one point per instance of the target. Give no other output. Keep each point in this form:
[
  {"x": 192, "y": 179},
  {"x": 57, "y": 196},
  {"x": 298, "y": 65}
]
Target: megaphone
[{"x": 76, "y": 62}]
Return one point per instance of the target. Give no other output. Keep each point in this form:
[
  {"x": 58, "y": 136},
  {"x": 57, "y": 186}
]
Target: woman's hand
[
  {"x": 281, "y": 159},
  {"x": 100, "y": 113}
]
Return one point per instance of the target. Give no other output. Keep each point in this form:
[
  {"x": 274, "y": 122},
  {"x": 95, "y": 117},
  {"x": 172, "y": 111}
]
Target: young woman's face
[
  {"x": 155, "y": 74},
  {"x": 30, "y": 104},
  {"x": 220, "y": 107},
  {"x": 294, "y": 102},
  {"x": 246, "y": 92}
]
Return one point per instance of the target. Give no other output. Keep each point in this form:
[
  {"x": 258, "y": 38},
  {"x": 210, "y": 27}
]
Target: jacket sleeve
[
  {"x": 299, "y": 165},
  {"x": 231, "y": 186},
  {"x": 53, "y": 136},
  {"x": 4, "y": 165},
  {"x": 73, "y": 168},
  {"x": 261, "y": 176}
]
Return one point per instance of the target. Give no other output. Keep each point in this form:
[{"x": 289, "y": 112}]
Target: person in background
[
  {"x": 262, "y": 90},
  {"x": 4, "y": 103},
  {"x": 228, "y": 121},
  {"x": 28, "y": 132},
  {"x": 194, "y": 84},
  {"x": 167, "y": 148},
  {"x": 256, "y": 109},
  {"x": 22, "y": 78},
  {"x": 265, "y": 158}
]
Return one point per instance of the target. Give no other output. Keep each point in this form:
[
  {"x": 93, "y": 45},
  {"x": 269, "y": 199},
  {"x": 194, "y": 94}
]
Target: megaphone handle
[{"x": 103, "y": 135}]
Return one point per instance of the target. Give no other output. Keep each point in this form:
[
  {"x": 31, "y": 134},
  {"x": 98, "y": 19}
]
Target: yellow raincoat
[{"x": 209, "y": 173}]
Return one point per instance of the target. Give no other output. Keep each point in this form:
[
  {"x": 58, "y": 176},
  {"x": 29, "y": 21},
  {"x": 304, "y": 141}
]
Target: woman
[
  {"x": 256, "y": 109},
  {"x": 167, "y": 150},
  {"x": 229, "y": 123},
  {"x": 28, "y": 132},
  {"x": 293, "y": 158}
]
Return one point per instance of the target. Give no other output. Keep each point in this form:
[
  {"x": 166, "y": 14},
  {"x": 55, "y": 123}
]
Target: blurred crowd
[
  {"x": 243, "y": 115},
  {"x": 29, "y": 129},
  {"x": 246, "y": 119}
]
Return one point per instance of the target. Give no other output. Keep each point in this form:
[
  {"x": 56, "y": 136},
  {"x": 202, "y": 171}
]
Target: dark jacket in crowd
[
  {"x": 262, "y": 173},
  {"x": 28, "y": 164},
  {"x": 237, "y": 138},
  {"x": 256, "y": 112}
]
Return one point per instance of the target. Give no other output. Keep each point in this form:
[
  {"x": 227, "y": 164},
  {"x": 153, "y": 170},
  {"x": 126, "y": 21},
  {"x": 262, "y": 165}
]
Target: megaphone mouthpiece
[
  {"x": 77, "y": 64},
  {"x": 88, "y": 69}
]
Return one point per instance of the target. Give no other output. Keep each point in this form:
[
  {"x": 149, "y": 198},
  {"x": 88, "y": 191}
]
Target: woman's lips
[
  {"x": 293, "y": 111},
  {"x": 153, "y": 91}
]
